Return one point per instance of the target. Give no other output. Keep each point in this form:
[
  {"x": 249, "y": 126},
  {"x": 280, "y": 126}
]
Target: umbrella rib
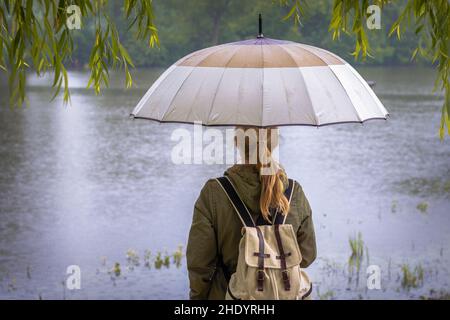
[
  {"x": 286, "y": 95},
  {"x": 196, "y": 53},
  {"x": 199, "y": 89},
  {"x": 311, "y": 52},
  {"x": 220, "y": 82},
  {"x": 195, "y": 98},
  {"x": 149, "y": 92},
  {"x": 326, "y": 52},
  {"x": 349, "y": 97},
  {"x": 307, "y": 92},
  {"x": 185, "y": 79},
  {"x": 334, "y": 74},
  {"x": 367, "y": 87},
  {"x": 284, "y": 82},
  {"x": 309, "y": 97}
]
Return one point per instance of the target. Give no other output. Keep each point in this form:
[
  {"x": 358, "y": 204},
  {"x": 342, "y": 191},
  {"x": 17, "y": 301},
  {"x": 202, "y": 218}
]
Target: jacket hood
[{"x": 245, "y": 179}]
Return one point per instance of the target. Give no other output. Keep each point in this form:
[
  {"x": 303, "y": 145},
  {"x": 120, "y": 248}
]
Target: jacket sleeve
[
  {"x": 305, "y": 234},
  {"x": 201, "y": 251}
]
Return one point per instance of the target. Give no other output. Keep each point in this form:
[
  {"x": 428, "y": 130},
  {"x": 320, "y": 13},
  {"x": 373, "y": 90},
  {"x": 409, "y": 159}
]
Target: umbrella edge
[{"x": 256, "y": 126}]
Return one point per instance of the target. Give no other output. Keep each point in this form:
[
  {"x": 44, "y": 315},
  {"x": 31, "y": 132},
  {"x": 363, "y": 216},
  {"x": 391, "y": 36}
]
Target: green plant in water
[
  {"x": 132, "y": 257},
  {"x": 426, "y": 187},
  {"x": 147, "y": 257},
  {"x": 412, "y": 278},
  {"x": 367, "y": 256},
  {"x": 158, "y": 260},
  {"x": 394, "y": 206},
  {"x": 357, "y": 254},
  {"x": 166, "y": 261},
  {"x": 446, "y": 187},
  {"x": 177, "y": 256},
  {"x": 423, "y": 207},
  {"x": 357, "y": 246},
  {"x": 12, "y": 285},
  {"x": 328, "y": 295},
  {"x": 436, "y": 295},
  {"x": 116, "y": 269}
]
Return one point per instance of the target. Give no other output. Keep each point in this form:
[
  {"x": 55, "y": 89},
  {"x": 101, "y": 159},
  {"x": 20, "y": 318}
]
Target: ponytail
[
  {"x": 272, "y": 179},
  {"x": 272, "y": 190}
]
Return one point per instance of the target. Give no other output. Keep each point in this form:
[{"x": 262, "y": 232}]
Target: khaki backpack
[{"x": 269, "y": 259}]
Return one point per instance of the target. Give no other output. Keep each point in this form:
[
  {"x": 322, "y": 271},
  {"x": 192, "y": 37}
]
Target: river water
[{"x": 84, "y": 185}]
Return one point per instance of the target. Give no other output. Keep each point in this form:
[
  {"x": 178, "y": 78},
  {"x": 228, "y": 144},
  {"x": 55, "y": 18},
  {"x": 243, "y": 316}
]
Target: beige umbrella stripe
[{"x": 260, "y": 56}]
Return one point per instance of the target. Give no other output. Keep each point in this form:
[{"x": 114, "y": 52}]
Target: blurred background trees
[
  {"x": 185, "y": 26},
  {"x": 124, "y": 34}
]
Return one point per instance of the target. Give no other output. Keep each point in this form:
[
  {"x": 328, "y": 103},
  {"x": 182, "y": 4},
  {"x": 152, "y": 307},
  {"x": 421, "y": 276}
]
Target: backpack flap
[{"x": 271, "y": 254}]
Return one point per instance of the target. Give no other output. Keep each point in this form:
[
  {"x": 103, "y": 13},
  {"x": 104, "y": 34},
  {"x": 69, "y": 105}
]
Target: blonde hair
[{"x": 271, "y": 174}]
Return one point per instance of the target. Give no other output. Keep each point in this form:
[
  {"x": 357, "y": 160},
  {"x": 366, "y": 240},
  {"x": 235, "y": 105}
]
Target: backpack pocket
[{"x": 271, "y": 252}]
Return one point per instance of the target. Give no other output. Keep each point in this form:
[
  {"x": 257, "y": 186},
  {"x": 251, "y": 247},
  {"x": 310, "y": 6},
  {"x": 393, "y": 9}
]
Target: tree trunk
[
  {"x": 216, "y": 29},
  {"x": 217, "y": 17}
]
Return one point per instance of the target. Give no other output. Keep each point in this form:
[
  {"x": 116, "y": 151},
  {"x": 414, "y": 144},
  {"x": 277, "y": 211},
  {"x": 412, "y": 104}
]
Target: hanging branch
[
  {"x": 34, "y": 35},
  {"x": 431, "y": 23}
]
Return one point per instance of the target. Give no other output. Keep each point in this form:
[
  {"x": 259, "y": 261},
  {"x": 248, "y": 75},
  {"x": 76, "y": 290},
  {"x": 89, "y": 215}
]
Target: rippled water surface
[{"x": 84, "y": 184}]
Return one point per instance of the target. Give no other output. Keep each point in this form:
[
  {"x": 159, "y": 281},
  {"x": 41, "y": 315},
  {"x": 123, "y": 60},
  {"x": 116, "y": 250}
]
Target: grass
[
  {"x": 12, "y": 286},
  {"x": 134, "y": 260},
  {"x": 178, "y": 256},
  {"x": 158, "y": 261},
  {"x": 147, "y": 257},
  {"x": 394, "y": 206},
  {"x": 436, "y": 295},
  {"x": 412, "y": 278},
  {"x": 422, "y": 207},
  {"x": 426, "y": 187},
  {"x": 116, "y": 270},
  {"x": 357, "y": 254},
  {"x": 328, "y": 295},
  {"x": 357, "y": 250}
]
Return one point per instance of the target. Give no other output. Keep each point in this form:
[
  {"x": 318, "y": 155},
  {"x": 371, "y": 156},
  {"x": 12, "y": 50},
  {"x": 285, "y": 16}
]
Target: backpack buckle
[
  {"x": 287, "y": 283},
  {"x": 260, "y": 279},
  {"x": 260, "y": 276}
]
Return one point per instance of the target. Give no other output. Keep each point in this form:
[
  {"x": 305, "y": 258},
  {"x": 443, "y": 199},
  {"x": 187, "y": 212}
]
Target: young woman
[{"x": 213, "y": 245}]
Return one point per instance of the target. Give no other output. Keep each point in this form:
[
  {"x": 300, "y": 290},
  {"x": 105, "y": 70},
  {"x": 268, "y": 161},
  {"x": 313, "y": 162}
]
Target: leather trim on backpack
[
  {"x": 231, "y": 294},
  {"x": 261, "y": 256},
  {"x": 307, "y": 294},
  {"x": 282, "y": 257},
  {"x": 251, "y": 244}
]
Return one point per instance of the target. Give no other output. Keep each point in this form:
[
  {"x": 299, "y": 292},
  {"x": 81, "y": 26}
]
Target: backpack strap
[
  {"x": 261, "y": 256},
  {"x": 236, "y": 201},
  {"x": 282, "y": 257},
  {"x": 280, "y": 218}
]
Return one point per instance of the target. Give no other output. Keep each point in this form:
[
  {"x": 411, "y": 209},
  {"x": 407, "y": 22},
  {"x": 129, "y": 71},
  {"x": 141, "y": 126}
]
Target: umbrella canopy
[{"x": 260, "y": 82}]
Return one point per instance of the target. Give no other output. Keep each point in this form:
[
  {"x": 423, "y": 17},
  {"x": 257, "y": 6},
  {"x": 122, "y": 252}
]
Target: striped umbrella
[{"x": 260, "y": 82}]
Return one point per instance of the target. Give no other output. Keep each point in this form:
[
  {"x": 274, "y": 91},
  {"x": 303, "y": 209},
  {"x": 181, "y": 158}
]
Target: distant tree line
[
  {"x": 35, "y": 35},
  {"x": 186, "y": 26}
]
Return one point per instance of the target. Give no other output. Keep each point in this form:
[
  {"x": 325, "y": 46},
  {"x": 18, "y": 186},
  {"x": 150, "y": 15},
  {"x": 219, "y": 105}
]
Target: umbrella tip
[{"x": 260, "y": 34}]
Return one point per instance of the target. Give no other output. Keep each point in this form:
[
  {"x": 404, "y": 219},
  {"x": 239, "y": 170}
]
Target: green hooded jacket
[{"x": 216, "y": 231}]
